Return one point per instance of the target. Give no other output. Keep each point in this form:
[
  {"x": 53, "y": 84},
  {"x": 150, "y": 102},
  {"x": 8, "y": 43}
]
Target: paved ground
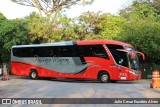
[{"x": 23, "y": 87}]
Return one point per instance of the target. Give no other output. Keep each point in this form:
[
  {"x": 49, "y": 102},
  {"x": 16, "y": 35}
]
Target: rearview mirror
[{"x": 132, "y": 55}]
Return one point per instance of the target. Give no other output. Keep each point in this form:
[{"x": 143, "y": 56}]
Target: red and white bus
[{"x": 104, "y": 60}]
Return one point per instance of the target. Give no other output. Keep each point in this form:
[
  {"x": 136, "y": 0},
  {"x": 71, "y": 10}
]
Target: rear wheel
[
  {"x": 104, "y": 77},
  {"x": 33, "y": 74}
]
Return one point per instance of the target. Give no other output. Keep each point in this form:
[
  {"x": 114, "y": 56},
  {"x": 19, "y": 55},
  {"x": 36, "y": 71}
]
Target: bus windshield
[
  {"x": 134, "y": 62},
  {"x": 120, "y": 57},
  {"x": 124, "y": 58}
]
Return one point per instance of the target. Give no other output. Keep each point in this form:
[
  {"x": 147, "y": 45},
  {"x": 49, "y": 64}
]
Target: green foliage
[
  {"x": 39, "y": 28},
  {"x": 142, "y": 29},
  {"x": 156, "y": 5},
  {"x": 144, "y": 36},
  {"x": 2, "y": 18},
  {"x": 87, "y": 25},
  {"x": 12, "y": 32},
  {"x": 64, "y": 28},
  {"x": 139, "y": 11},
  {"x": 100, "y": 26},
  {"x": 42, "y": 29},
  {"x": 152, "y": 3},
  {"x": 111, "y": 27}
]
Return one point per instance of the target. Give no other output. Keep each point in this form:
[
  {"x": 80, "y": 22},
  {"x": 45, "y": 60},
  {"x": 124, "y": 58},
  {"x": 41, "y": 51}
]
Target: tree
[
  {"x": 2, "y": 19},
  {"x": 87, "y": 27},
  {"x": 139, "y": 11},
  {"x": 111, "y": 27},
  {"x": 142, "y": 29},
  {"x": 152, "y": 3},
  {"x": 64, "y": 28},
  {"x": 100, "y": 25},
  {"x": 144, "y": 36},
  {"x": 156, "y": 5},
  {"x": 12, "y": 32},
  {"x": 48, "y": 7},
  {"x": 59, "y": 28},
  {"x": 39, "y": 28}
]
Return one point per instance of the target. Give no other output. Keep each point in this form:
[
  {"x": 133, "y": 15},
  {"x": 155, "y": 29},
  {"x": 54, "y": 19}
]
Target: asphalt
[{"x": 24, "y": 87}]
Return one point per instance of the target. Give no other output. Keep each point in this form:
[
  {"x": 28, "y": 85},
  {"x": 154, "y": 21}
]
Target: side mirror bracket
[{"x": 142, "y": 54}]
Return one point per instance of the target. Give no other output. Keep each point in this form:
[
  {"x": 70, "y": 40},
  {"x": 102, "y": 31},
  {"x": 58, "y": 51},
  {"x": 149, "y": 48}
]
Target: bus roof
[
  {"x": 47, "y": 44},
  {"x": 90, "y": 42},
  {"x": 83, "y": 42}
]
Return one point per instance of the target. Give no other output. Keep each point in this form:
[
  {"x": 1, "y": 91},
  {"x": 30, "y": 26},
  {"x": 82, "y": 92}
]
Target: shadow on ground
[{"x": 77, "y": 80}]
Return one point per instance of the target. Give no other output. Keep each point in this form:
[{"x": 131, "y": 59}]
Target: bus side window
[
  {"x": 92, "y": 51},
  {"x": 65, "y": 51},
  {"x": 119, "y": 56},
  {"x": 15, "y": 52},
  {"x": 98, "y": 51},
  {"x": 20, "y": 52}
]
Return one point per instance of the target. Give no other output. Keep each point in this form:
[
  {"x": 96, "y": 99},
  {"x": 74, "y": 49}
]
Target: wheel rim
[
  {"x": 104, "y": 78},
  {"x": 33, "y": 75}
]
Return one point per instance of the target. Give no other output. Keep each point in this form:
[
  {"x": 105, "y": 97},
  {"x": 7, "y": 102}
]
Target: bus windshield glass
[
  {"x": 124, "y": 58},
  {"x": 134, "y": 63},
  {"x": 120, "y": 57}
]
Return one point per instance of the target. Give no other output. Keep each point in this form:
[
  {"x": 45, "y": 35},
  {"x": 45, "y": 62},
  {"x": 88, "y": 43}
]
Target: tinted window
[
  {"x": 62, "y": 51},
  {"x": 119, "y": 56},
  {"x": 24, "y": 52},
  {"x": 50, "y": 51},
  {"x": 92, "y": 51},
  {"x": 65, "y": 51}
]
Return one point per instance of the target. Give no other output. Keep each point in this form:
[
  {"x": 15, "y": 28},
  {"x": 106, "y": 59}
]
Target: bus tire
[
  {"x": 104, "y": 77},
  {"x": 33, "y": 74}
]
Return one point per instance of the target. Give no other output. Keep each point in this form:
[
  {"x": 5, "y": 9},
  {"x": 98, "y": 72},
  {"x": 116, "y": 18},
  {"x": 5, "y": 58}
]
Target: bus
[{"x": 102, "y": 60}]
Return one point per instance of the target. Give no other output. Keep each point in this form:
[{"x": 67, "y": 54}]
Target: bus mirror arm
[{"x": 142, "y": 54}]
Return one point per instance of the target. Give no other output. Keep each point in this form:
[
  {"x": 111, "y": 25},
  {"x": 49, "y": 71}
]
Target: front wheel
[
  {"x": 33, "y": 74},
  {"x": 104, "y": 77}
]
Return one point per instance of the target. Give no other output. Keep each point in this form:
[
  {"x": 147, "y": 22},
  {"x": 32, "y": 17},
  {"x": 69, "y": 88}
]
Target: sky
[{"x": 12, "y": 10}]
